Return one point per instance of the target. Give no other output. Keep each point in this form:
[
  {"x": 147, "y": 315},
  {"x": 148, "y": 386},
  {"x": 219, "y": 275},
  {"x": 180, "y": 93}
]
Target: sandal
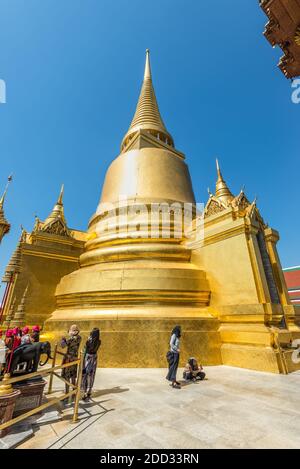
[{"x": 176, "y": 386}]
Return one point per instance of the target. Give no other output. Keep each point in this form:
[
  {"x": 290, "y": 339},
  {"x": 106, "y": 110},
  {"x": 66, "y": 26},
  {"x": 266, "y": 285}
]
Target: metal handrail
[{"x": 52, "y": 372}]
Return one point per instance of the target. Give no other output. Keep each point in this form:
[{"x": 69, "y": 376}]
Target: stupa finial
[
  {"x": 147, "y": 72},
  {"x": 61, "y": 195},
  {"x": 57, "y": 211},
  {"x": 147, "y": 116},
  {"x": 222, "y": 191}
]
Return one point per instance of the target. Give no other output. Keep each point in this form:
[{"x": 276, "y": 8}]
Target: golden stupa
[
  {"x": 132, "y": 282},
  {"x": 140, "y": 270}
]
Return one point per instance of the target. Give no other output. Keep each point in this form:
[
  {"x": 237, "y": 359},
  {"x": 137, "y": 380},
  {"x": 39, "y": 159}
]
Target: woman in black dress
[
  {"x": 173, "y": 356},
  {"x": 72, "y": 343},
  {"x": 90, "y": 362}
]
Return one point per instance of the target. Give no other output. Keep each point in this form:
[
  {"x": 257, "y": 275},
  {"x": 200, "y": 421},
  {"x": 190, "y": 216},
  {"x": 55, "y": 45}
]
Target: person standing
[
  {"x": 173, "y": 357},
  {"x": 17, "y": 337},
  {"x": 13, "y": 341},
  {"x": 3, "y": 351},
  {"x": 35, "y": 334},
  {"x": 72, "y": 343},
  {"x": 90, "y": 362},
  {"x": 8, "y": 341},
  {"x": 25, "y": 337}
]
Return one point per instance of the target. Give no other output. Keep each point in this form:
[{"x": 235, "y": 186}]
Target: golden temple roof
[
  {"x": 222, "y": 191},
  {"x": 147, "y": 116}
]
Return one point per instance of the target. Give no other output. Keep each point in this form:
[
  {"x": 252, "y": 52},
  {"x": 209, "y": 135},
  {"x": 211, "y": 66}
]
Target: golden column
[{"x": 136, "y": 279}]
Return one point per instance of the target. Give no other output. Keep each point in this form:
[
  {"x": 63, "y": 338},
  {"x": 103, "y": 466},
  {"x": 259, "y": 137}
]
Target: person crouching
[{"x": 193, "y": 371}]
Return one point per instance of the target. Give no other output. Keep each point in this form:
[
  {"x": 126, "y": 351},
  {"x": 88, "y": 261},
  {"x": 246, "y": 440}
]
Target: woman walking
[
  {"x": 90, "y": 362},
  {"x": 72, "y": 343},
  {"x": 173, "y": 357}
]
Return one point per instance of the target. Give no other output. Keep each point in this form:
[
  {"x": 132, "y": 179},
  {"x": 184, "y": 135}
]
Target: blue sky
[{"x": 73, "y": 72}]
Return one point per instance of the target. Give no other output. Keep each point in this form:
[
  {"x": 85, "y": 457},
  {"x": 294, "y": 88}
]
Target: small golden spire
[
  {"x": 58, "y": 210},
  {"x": 19, "y": 316},
  {"x": 4, "y": 225},
  {"x": 147, "y": 116},
  {"x": 222, "y": 191},
  {"x": 9, "y": 179},
  {"x": 10, "y": 315},
  {"x": 60, "y": 198},
  {"x": 14, "y": 265}
]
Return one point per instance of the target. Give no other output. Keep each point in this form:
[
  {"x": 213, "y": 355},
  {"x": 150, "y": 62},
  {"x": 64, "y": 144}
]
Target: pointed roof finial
[
  {"x": 60, "y": 198},
  {"x": 147, "y": 73},
  {"x": 218, "y": 170},
  {"x": 4, "y": 225},
  {"x": 58, "y": 210},
  {"x": 9, "y": 179},
  {"x": 222, "y": 191},
  {"x": 147, "y": 116}
]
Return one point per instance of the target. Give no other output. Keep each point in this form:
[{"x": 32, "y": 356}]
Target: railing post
[
  {"x": 53, "y": 365},
  {"x": 78, "y": 393}
]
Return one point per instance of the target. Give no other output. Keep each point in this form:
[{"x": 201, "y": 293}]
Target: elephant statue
[{"x": 30, "y": 354}]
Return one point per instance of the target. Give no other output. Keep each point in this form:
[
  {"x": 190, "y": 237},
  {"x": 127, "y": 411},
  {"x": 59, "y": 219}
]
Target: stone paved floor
[{"x": 136, "y": 408}]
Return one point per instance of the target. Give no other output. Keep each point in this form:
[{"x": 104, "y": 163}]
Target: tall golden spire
[
  {"x": 19, "y": 317},
  {"x": 58, "y": 210},
  {"x": 147, "y": 116},
  {"x": 15, "y": 264},
  {"x": 10, "y": 315},
  {"x": 222, "y": 191}
]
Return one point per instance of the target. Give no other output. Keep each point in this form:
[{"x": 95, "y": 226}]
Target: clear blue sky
[{"x": 73, "y": 71}]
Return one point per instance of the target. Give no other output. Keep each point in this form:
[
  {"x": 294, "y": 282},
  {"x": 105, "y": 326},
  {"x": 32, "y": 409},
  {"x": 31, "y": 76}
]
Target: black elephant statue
[{"x": 30, "y": 354}]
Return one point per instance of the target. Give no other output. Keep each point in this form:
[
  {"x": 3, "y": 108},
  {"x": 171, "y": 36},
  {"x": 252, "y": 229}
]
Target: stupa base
[{"x": 132, "y": 339}]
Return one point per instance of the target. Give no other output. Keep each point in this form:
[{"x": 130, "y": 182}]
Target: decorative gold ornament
[
  {"x": 297, "y": 36},
  {"x": 5, "y": 387}
]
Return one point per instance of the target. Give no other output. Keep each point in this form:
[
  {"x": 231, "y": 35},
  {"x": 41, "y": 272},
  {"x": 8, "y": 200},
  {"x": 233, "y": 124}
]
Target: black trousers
[{"x": 173, "y": 366}]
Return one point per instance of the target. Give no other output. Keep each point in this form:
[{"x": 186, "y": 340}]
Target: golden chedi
[{"x": 136, "y": 280}]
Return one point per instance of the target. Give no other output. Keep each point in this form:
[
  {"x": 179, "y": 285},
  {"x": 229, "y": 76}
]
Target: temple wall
[
  {"x": 240, "y": 294},
  {"x": 229, "y": 271},
  {"x": 44, "y": 261}
]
